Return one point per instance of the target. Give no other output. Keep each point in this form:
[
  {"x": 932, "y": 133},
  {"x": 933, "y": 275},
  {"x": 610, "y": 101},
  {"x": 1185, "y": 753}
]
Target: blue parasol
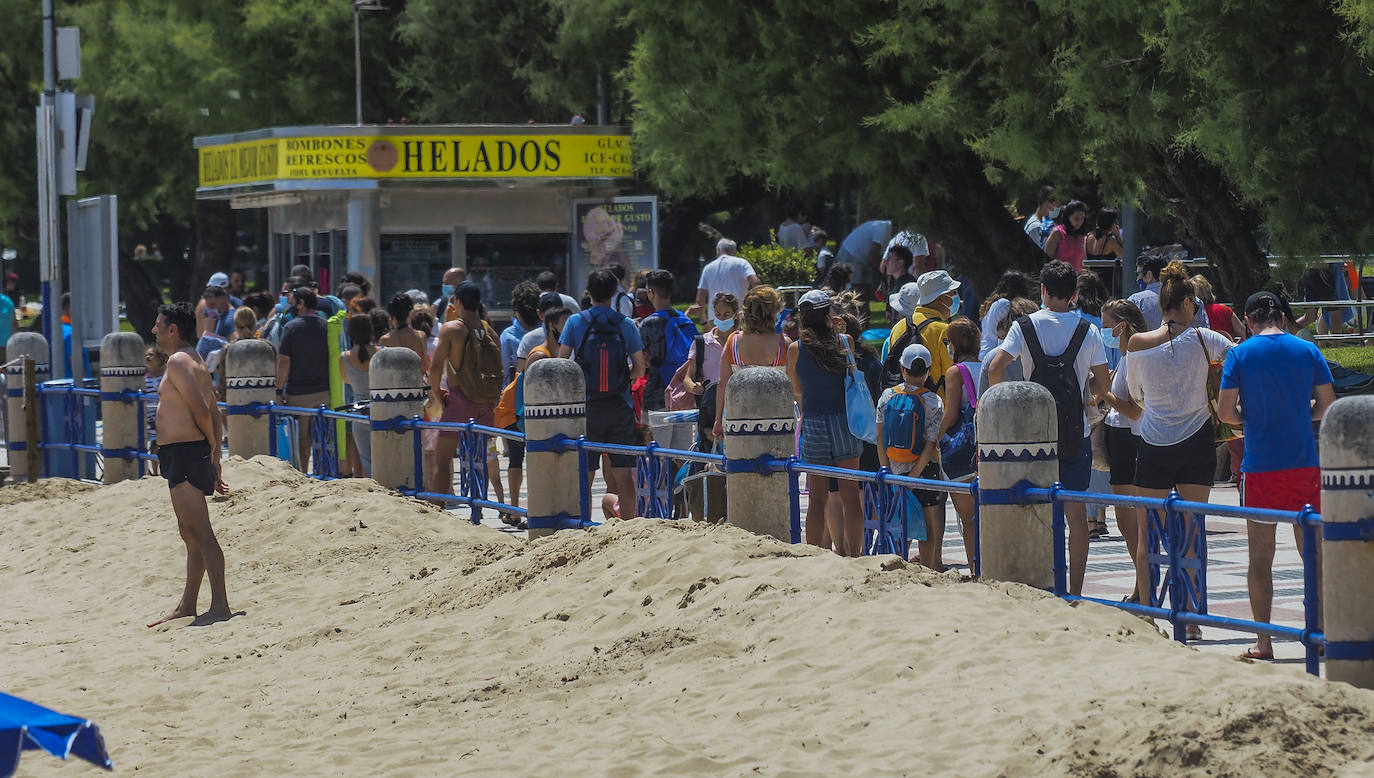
[{"x": 24, "y": 725}]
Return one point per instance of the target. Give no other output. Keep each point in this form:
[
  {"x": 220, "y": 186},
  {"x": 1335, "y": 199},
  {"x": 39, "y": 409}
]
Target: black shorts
[
  {"x": 930, "y": 498},
  {"x": 1190, "y": 461},
  {"x": 610, "y": 420},
  {"x": 1123, "y": 446},
  {"x": 515, "y": 450},
  {"x": 188, "y": 462}
]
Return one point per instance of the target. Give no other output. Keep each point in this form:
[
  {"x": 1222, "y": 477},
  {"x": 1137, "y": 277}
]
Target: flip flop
[{"x": 1251, "y": 653}]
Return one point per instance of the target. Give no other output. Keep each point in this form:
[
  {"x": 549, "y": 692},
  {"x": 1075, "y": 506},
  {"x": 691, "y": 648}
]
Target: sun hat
[
  {"x": 906, "y": 299},
  {"x": 814, "y": 299},
  {"x": 219, "y": 279},
  {"x": 914, "y": 352},
  {"x": 934, "y": 284}
]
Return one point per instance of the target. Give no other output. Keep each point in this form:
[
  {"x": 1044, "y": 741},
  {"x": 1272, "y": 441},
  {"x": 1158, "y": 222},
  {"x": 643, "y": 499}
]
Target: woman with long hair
[
  {"x": 817, "y": 365},
  {"x": 1104, "y": 242},
  {"x": 354, "y": 364},
  {"x": 1220, "y": 317},
  {"x": 1012, "y": 285},
  {"x": 1168, "y": 384},
  {"x": 245, "y": 324},
  {"x": 961, "y": 393},
  {"x": 757, "y": 343},
  {"x": 725, "y": 319},
  {"x": 1068, "y": 240},
  {"x": 1122, "y": 320}
]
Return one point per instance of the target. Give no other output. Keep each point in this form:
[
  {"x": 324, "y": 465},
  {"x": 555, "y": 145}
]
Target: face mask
[
  {"x": 724, "y": 325},
  {"x": 954, "y": 305},
  {"x": 446, "y": 290},
  {"x": 211, "y": 313},
  {"x": 1110, "y": 340},
  {"x": 282, "y": 304},
  {"x": 1054, "y": 213},
  {"x": 1140, "y": 284}
]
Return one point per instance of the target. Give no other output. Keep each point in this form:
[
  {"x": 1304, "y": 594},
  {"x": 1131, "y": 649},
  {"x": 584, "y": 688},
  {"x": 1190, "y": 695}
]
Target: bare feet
[
  {"x": 213, "y": 616},
  {"x": 178, "y": 613}
]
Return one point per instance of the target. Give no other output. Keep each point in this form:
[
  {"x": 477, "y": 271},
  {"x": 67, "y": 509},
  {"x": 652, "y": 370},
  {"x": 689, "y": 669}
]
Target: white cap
[
  {"x": 219, "y": 279},
  {"x": 933, "y": 284},
  {"x": 914, "y": 352},
  {"x": 815, "y": 299}
]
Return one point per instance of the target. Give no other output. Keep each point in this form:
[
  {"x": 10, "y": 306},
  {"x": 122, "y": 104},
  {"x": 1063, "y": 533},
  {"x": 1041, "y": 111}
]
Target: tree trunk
[
  {"x": 972, "y": 220},
  {"x": 1205, "y": 202}
]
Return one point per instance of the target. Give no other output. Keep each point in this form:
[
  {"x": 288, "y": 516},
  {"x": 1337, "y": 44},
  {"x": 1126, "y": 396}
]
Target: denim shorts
[
  {"x": 826, "y": 440},
  {"x": 1075, "y": 473}
]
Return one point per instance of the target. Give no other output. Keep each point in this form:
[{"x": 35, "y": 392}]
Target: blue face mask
[
  {"x": 1054, "y": 213},
  {"x": 282, "y": 304},
  {"x": 1110, "y": 340},
  {"x": 724, "y": 325},
  {"x": 446, "y": 290},
  {"x": 954, "y": 305},
  {"x": 1140, "y": 284}
]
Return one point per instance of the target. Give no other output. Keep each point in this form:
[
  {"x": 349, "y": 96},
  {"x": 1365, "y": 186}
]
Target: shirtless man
[
  {"x": 454, "y": 340},
  {"x": 188, "y": 437}
]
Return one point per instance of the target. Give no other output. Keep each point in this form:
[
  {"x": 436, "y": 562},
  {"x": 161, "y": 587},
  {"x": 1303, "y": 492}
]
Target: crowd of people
[{"x": 1146, "y": 388}]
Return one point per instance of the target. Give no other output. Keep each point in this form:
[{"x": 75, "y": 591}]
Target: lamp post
[{"x": 358, "y": 7}]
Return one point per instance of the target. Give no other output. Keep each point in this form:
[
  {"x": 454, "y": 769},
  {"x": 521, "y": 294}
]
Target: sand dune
[{"x": 383, "y": 636}]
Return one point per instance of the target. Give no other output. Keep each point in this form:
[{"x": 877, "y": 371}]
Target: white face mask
[{"x": 725, "y": 325}]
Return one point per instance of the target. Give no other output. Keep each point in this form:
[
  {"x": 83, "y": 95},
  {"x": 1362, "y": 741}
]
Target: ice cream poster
[{"x": 620, "y": 230}]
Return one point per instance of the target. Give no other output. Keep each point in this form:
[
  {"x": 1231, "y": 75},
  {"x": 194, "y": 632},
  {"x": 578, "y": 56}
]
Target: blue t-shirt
[
  {"x": 1276, "y": 375},
  {"x": 510, "y": 341},
  {"x": 6, "y": 318},
  {"x": 577, "y": 326}
]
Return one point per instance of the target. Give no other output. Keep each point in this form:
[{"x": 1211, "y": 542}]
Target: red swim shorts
[{"x": 1284, "y": 490}]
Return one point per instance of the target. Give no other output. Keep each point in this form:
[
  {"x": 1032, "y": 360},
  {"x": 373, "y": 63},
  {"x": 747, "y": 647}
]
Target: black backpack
[
  {"x": 892, "y": 366},
  {"x": 601, "y": 353},
  {"x": 1057, "y": 375}
]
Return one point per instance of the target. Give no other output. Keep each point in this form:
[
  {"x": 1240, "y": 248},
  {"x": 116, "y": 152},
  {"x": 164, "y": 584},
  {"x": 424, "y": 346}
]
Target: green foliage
[{"x": 779, "y": 266}]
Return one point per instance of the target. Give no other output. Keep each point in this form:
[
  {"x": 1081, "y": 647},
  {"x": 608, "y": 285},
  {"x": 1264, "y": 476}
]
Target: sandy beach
[{"x": 380, "y": 635}]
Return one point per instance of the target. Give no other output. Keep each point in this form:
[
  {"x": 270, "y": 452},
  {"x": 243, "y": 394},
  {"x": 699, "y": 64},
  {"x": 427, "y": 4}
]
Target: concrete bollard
[
  {"x": 250, "y": 379},
  {"x": 1018, "y": 434},
  {"x": 1347, "y": 549},
  {"x": 397, "y": 391},
  {"x": 759, "y": 421},
  {"x": 22, "y": 345},
  {"x": 555, "y": 404},
  {"x": 121, "y": 370}
]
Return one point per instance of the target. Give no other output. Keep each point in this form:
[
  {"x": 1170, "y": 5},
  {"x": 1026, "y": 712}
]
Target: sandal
[
  {"x": 509, "y": 519},
  {"x": 1193, "y": 632},
  {"x": 1097, "y": 529}
]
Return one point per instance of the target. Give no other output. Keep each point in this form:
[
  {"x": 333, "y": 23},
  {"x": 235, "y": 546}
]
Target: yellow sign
[{"x": 417, "y": 157}]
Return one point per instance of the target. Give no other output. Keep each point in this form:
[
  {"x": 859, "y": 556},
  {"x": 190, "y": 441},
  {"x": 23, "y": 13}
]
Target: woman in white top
[
  {"x": 1168, "y": 382},
  {"x": 1121, "y": 320},
  {"x": 961, "y": 395}
]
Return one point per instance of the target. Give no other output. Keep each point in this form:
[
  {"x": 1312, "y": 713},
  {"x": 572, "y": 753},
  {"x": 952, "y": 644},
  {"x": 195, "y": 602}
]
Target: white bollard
[
  {"x": 397, "y": 392},
  {"x": 760, "y": 422},
  {"x": 1347, "y": 556},
  {"x": 22, "y": 345},
  {"x": 250, "y": 380},
  {"x": 1018, "y": 434},
  {"x": 121, "y": 370},
  {"x": 555, "y": 405}
]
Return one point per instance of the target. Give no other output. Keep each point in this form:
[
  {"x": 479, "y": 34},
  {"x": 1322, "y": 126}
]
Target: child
[
  {"x": 909, "y": 418},
  {"x": 154, "y": 364}
]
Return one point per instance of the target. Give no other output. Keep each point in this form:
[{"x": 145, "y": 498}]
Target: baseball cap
[
  {"x": 915, "y": 352},
  {"x": 548, "y": 300},
  {"x": 219, "y": 279},
  {"x": 13, "y": 277},
  {"x": 814, "y": 299},
  {"x": 933, "y": 284},
  {"x": 1262, "y": 301}
]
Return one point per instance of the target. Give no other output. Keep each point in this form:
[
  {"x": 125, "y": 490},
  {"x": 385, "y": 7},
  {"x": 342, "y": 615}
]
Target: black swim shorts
[{"x": 189, "y": 462}]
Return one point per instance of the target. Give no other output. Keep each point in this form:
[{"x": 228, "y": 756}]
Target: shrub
[{"x": 778, "y": 266}]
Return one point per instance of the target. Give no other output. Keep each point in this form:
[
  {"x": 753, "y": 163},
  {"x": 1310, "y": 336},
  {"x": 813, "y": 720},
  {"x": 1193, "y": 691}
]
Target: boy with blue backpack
[
  {"x": 909, "y": 418},
  {"x": 667, "y": 336},
  {"x": 606, "y": 345}
]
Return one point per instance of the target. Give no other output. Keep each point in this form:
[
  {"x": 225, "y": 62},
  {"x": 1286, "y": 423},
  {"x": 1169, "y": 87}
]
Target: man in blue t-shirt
[
  {"x": 610, "y": 407},
  {"x": 1276, "y": 384}
]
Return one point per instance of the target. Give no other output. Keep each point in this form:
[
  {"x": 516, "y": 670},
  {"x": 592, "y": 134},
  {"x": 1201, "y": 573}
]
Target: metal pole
[
  {"x": 358, "y": 63},
  {"x": 48, "y": 217}
]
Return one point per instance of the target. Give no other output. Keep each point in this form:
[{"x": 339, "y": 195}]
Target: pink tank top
[
  {"x": 1072, "y": 248},
  {"x": 778, "y": 361}
]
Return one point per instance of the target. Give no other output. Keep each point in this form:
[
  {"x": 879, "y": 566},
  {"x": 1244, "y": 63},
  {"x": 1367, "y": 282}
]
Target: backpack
[
  {"x": 602, "y": 355},
  {"x": 615, "y": 302},
  {"x": 678, "y": 334},
  {"x": 892, "y": 364},
  {"x": 1057, "y": 375},
  {"x": 479, "y": 376},
  {"x": 904, "y": 424}
]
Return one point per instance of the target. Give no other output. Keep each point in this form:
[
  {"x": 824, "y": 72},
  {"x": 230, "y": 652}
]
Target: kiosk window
[
  {"x": 498, "y": 262},
  {"x": 414, "y": 262}
]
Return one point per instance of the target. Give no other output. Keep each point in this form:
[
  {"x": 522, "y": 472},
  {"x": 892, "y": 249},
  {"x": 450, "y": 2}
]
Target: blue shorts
[
  {"x": 826, "y": 440},
  {"x": 1075, "y": 473}
]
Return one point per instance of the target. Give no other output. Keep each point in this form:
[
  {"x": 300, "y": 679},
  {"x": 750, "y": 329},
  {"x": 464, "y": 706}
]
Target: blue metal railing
[{"x": 1176, "y": 527}]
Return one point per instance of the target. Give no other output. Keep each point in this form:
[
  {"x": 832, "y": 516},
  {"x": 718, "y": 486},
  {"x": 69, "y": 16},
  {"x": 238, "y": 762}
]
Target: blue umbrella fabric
[{"x": 24, "y": 725}]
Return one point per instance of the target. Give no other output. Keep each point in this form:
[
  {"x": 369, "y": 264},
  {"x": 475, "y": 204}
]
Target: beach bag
[
  {"x": 675, "y": 395},
  {"x": 505, "y": 409},
  {"x": 959, "y": 446},
  {"x": 678, "y": 334},
  {"x": 904, "y": 424},
  {"x": 1058, "y": 376},
  {"x": 602, "y": 356},
  {"x": 1222, "y": 431},
  {"x": 858, "y": 403},
  {"x": 479, "y": 377}
]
